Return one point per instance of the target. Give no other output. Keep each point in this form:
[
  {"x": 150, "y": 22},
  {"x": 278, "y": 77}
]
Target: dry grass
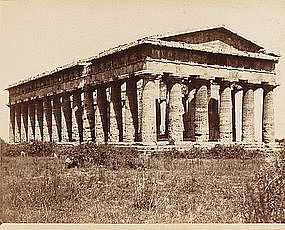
[{"x": 40, "y": 189}]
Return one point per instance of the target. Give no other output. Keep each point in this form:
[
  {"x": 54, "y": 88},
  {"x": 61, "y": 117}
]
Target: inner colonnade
[{"x": 146, "y": 108}]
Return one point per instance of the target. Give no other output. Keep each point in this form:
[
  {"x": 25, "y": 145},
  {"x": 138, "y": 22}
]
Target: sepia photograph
[{"x": 133, "y": 113}]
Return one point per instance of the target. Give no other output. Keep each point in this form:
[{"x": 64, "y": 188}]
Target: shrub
[
  {"x": 232, "y": 151},
  {"x": 109, "y": 156},
  {"x": 33, "y": 148},
  {"x": 264, "y": 197},
  {"x": 218, "y": 152}
]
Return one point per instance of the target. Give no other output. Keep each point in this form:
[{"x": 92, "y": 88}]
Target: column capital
[
  {"x": 200, "y": 81},
  {"x": 224, "y": 83},
  {"x": 248, "y": 85},
  {"x": 268, "y": 87},
  {"x": 151, "y": 77}
]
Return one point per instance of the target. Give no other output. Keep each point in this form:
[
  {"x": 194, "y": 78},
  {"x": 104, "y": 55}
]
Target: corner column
[
  {"x": 148, "y": 113},
  {"x": 248, "y": 113},
  {"x": 268, "y": 132},
  {"x": 201, "y": 111},
  {"x": 175, "y": 111},
  {"x": 225, "y": 124}
]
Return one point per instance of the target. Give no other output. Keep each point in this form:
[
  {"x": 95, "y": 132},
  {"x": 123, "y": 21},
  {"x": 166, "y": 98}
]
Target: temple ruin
[{"x": 177, "y": 88}]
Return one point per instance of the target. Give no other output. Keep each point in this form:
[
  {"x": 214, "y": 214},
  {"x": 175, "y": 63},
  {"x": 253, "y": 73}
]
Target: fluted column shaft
[
  {"x": 248, "y": 114},
  {"x": 67, "y": 126},
  {"x": 101, "y": 130},
  {"x": 24, "y": 126},
  {"x": 234, "y": 115},
  {"x": 268, "y": 132},
  {"x": 175, "y": 112},
  {"x": 130, "y": 125},
  {"x": 77, "y": 115},
  {"x": 39, "y": 120},
  {"x": 56, "y": 119},
  {"x": 148, "y": 125},
  {"x": 90, "y": 112},
  {"x": 47, "y": 119},
  {"x": 12, "y": 124},
  {"x": 201, "y": 111},
  {"x": 225, "y": 124},
  {"x": 115, "y": 114},
  {"x": 31, "y": 120},
  {"x": 18, "y": 123}
]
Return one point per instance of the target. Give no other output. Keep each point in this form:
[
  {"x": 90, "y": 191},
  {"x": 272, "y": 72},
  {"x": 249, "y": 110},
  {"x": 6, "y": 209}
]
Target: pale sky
[{"x": 38, "y": 35}]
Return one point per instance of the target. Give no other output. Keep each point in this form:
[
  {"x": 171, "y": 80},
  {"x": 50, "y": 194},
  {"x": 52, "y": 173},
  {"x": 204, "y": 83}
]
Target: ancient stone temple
[{"x": 176, "y": 88}]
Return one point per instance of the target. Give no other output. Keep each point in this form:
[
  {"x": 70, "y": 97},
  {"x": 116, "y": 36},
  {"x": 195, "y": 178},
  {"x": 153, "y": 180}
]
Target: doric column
[
  {"x": 56, "y": 118},
  {"x": 39, "y": 120},
  {"x": 175, "y": 111},
  {"x": 268, "y": 131},
  {"x": 115, "y": 114},
  {"x": 162, "y": 95},
  {"x": 189, "y": 116},
  {"x": 77, "y": 111},
  {"x": 225, "y": 124},
  {"x": 90, "y": 113},
  {"x": 47, "y": 120},
  {"x": 234, "y": 91},
  {"x": 31, "y": 120},
  {"x": 201, "y": 111},
  {"x": 24, "y": 126},
  {"x": 18, "y": 123},
  {"x": 12, "y": 124},
  {"x": 67, "y": 123},
  {"x": 101, "y": 130},
  {"x": 148, "y": 125},
  {"x": 248, "y": 113},
  {"x": 139, "y": 104},
  {"x": 130, "y": 123}
]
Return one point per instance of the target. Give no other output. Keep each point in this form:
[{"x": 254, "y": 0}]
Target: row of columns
[{"x": 128, "y": 112}]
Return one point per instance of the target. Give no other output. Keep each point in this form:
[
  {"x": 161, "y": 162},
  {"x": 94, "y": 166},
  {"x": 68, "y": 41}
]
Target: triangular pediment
[{"x": 219, "y": 36}]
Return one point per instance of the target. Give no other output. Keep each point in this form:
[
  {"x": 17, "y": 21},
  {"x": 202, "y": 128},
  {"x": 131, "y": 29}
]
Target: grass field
[{"x": 41, "y": 189}]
